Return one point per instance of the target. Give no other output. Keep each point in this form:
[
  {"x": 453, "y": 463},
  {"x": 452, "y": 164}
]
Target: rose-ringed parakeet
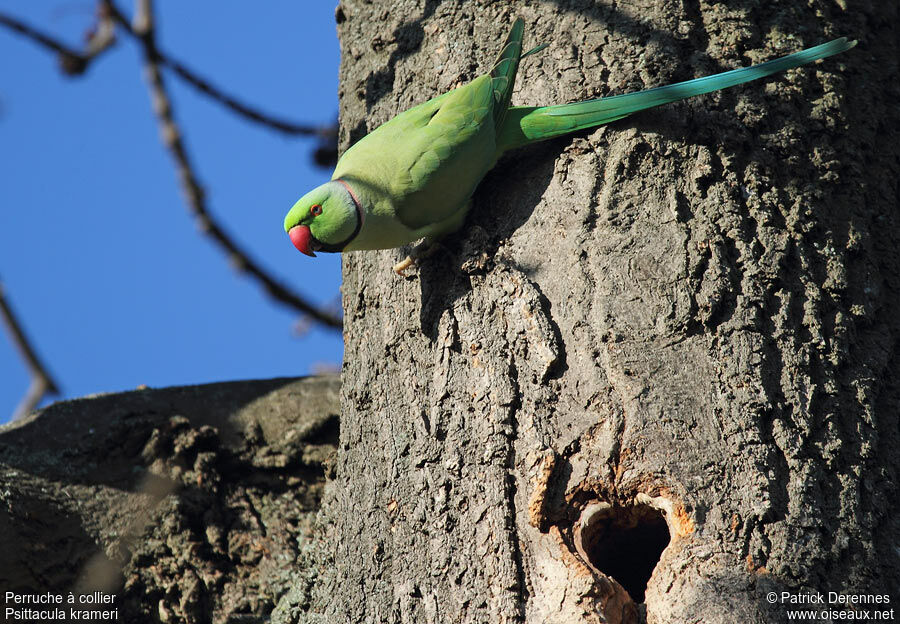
[{"x": 413, "y": 177}]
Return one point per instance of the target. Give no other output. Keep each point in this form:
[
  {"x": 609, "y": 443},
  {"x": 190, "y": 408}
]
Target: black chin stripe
[{"x": 360, "y": 216}]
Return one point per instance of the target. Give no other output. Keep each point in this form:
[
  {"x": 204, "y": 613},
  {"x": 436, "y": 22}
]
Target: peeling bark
[{"x": 690, "y": 313}]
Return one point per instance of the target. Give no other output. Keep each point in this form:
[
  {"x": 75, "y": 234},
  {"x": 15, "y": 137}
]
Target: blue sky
[{"x": 99, "y": 256}]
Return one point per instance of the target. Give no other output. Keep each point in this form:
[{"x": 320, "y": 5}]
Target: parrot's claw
[
  {"x": 419, "y": 252},
  {"x": 404, "y": 264}
]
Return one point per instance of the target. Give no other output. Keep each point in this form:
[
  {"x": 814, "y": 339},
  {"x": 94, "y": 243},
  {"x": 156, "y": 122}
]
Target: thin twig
[
  {"x": 193, "y": 191},
  {"x": 71, "y": 61},
  {"x": 239, "y": 107},
  {"x": 37, "y": 36},
  {"x": 205, "y": 86},
  {"x": 41, "y": 382},
  {"x": 74, "y": 62}
]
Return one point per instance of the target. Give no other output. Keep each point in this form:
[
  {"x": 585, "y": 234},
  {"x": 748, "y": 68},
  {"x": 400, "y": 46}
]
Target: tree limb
[
  {"x": 74, "y": 62},
  {"x": 41, "y": 381},
  {"x": 206, "y": 87},
  {"x": 71, "y": 61},
  {"x": 142, "y": 28}
]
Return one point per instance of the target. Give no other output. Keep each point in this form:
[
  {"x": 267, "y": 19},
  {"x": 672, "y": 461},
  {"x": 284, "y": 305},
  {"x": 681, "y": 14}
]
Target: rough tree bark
[
  {"x": 679, "y": 331},
  {"x": 188, "y": 504}
]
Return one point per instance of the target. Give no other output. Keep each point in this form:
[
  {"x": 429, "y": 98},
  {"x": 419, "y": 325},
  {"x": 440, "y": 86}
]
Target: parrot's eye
[{"x": 315, "y": 210}]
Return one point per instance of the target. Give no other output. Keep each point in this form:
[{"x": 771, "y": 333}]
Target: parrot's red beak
[{"x": 300, "y": 236}]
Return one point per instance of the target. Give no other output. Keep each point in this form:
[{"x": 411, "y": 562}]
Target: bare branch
[
  {"x": 41, "y": 381},
  {"x": 35, "y": 35},
  {"x": 238, "y": 107},
  {"x": 137, "y": 30},
  {"x": 74, "y": 62},
  {"x": 191, "y": 187},
  {"x": 71, "y": 61},
  {"x": 36, "y": 391},
  {"x": 102, "y": 37}
]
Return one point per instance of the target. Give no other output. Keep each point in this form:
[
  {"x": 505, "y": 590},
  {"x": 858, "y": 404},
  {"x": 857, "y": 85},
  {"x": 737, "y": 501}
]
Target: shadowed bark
[
  {"x": 188, "y": 505},
  {"x": 667, "y": 346}
]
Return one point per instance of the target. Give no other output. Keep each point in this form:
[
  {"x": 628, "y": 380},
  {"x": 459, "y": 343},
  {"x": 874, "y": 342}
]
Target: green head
[{"x": 325, "y": 219}]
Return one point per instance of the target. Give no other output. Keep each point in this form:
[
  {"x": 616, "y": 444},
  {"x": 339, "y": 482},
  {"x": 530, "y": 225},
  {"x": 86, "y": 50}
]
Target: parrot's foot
[
  {"x": 404, "y": 264},
  {"x": 419, "y": 252}
]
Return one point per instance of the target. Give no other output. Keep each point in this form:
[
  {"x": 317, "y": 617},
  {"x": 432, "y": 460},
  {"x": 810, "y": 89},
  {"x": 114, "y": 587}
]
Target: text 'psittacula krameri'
[{"x": 413, "y": 177}]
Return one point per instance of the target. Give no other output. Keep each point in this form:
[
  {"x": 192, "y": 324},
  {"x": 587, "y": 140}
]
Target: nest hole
[{"x": 625, "y": 543}]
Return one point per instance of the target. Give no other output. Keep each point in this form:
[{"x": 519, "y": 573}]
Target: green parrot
[{"x": 413, "y": 177}]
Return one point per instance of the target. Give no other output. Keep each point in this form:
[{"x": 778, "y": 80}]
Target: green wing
[
  {"x": 446, "y": 158},
  {"x": 503, "y": 74},
  {"x": 430, "y": 159}
]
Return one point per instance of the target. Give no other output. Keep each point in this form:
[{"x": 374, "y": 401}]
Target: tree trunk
[{"x": 651, "y": 378}]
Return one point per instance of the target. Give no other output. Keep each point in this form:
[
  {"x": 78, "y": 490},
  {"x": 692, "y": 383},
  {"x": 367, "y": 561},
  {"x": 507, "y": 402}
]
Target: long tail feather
[{"x": 525, "y": 125}]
